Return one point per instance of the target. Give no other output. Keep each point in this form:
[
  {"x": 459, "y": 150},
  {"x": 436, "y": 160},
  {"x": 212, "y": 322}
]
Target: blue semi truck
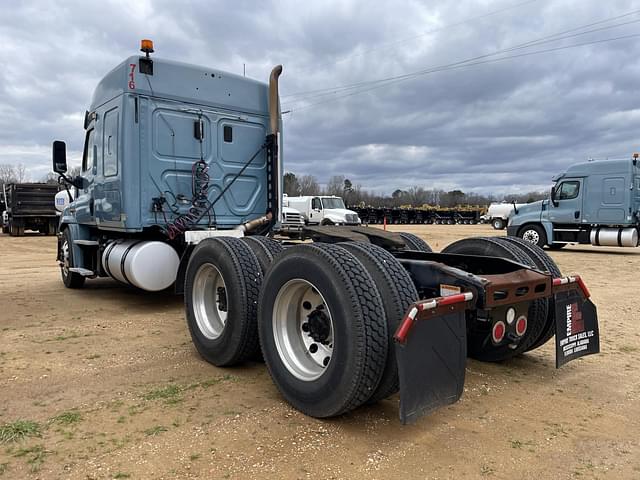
[
  {"x": 181, "y": 186},
  {"x": 595, "y": 203}
]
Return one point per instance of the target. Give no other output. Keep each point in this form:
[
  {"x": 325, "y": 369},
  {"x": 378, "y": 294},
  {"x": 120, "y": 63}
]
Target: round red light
[
  {"x": 521, "y": 326},
  {"x": 498, "y": 331}
]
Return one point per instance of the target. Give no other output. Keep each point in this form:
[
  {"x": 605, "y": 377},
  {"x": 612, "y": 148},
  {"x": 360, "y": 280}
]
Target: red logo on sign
[
  {"x": 132, "y": 80},
  {"x": 577, "y": 322}
]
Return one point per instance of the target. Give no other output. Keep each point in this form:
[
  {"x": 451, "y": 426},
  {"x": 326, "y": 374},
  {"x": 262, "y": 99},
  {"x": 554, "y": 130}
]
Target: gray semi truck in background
[{"x": 596, "y": 203}]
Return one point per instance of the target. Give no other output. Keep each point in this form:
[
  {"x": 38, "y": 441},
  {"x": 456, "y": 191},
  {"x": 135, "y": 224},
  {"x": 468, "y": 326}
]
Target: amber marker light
[{"x": 146, "y": 46}]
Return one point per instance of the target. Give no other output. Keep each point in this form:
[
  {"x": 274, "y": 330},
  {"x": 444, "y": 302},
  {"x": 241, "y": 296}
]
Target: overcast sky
[{"x": 496, "y": 127}]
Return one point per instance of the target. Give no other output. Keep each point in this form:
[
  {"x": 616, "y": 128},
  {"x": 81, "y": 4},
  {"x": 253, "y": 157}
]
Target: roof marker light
[{"x": 146, "y": 46}]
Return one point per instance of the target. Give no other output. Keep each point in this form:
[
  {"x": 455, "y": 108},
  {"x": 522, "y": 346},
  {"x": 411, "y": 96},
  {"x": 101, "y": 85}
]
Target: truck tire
[
  {"x": 326, "y": 221},
  {"x": 397, "y": 292},
  {"x": 222, "y": 284},
  {"x": 556, "y": 246},
  {"x": 545, "y": 263},
  {"x": 534, "y": 234},
  {"x": 330, "y": 360},
  {"x": 414, "y": 242},
  {"x": 70, "y": 279},
  {"x": 265, "y": 249},
  {"x": 498, "y": 223},
  {"x": 479, "y": 345}
]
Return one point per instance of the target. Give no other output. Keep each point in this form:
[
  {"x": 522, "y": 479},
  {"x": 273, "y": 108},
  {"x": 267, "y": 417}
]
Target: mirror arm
[{"x": 75, "y": 182}]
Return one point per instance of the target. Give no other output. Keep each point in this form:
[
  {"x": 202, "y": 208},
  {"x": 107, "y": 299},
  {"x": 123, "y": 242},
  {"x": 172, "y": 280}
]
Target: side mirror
[{"x": 59, "y": 157}]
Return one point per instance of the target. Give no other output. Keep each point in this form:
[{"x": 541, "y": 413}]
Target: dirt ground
[{"x": 108, "y": 385}]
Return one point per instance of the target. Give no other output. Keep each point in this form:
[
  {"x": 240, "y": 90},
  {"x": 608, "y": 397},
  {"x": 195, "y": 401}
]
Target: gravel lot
[{"x": 107, "y": 385}]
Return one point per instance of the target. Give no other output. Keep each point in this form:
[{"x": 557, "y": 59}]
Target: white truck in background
[
  {"x": 323, "y": 210},
  {"x": 498, "y": 214},
  {"x": 292, "y": 220}
]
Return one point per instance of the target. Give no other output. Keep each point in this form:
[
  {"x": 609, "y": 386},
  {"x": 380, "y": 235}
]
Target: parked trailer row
[
  {"x": 348, "y": 319},
  {"x": 408, "y": 216}
]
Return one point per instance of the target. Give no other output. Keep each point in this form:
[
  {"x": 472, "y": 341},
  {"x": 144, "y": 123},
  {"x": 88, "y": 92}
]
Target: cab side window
[
  {"x": 89, "y": 160},
  {"x": 315, "y": 203},
  {"x": 110, "y": 144},
  {"x": 569, "y": 190}
]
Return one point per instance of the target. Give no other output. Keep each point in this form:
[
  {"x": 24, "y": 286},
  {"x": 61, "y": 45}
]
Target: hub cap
[
  {"x": 209, "y": 299},
  {"x": 303, "y": 330},
  {"x": 531, "y": 236}
]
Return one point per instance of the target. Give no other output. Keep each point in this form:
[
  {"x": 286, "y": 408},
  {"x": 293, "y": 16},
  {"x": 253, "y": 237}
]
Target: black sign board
[{"x": 576, "y": 327}]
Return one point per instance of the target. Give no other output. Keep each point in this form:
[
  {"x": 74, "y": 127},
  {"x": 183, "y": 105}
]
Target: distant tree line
[
  {"x": 414, "y": 196},
  {"x": 337, "y": 185},
  {"x": 12, "y": 173}
]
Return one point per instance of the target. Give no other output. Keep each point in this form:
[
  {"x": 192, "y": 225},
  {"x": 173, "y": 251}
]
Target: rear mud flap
[
  {"x": 577, "y": 332},
  {"x": 431, "y": 365}
]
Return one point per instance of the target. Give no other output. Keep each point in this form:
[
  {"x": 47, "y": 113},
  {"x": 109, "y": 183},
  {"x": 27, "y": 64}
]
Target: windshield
[{"x": 332, "y": 202}]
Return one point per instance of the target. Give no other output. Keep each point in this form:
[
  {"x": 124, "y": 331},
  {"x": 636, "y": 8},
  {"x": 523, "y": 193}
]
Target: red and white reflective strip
[
  {"x": 574, "y": 279},
  {"x": 409, "y": 319}
]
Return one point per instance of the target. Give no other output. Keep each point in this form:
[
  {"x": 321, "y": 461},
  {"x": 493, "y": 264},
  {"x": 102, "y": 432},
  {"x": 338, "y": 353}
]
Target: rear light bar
[
  {"x": 557, "y": 282},
  {"x": 432, "y": 304}
]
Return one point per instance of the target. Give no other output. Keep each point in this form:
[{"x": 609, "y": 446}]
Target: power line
[
  {"x": 406, "y": 77},
  {"x": 546, "y": 39},
  {"x": 424, "y": 34},
  {"x": 439, "y": 68}
]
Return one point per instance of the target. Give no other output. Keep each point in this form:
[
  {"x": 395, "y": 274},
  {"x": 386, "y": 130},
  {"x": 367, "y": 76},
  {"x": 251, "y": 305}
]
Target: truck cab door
[
  {"x": 84, "y": 203},
  {"x": 566, "y": 207},
  {"x": 315, "y": 215},
  {"x": 107, "y": 196}
]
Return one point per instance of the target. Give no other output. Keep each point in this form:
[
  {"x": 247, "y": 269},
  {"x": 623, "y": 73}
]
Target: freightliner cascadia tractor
[
  {"x": 181, "y": 186},
  {"x": 593, "y": 203}
]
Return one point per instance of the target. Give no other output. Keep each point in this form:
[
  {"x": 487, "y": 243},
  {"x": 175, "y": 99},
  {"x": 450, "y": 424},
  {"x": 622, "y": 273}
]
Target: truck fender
[
  {"x": 548, "y": 229},
  {"x": 334, "y": 218},
  {"x": 182, "y": 270},
  {"x": 546, "y": 225},
  {"x": 78, "y": 232}
]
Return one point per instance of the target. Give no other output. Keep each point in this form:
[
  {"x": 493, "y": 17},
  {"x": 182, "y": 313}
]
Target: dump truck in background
[
  {"x": 29, "y": 206},
  {"x": 593, "y": 203},
  {"x": 181, "y": 186}
]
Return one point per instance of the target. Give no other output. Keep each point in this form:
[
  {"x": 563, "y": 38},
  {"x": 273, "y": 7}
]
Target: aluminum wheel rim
[
  {"x": 295, "y": 305},
  {"x": 207, "y": 300},
  {"x": 65, "y": 258},
  {"x": 531, "y": 236}
]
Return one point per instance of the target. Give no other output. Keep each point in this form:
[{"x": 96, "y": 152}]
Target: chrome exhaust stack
[{"x": 274, "y": 159}]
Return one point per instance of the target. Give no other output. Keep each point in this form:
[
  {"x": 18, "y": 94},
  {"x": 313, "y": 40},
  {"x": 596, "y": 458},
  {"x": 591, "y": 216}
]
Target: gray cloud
[{"x": 498, "y": 127}]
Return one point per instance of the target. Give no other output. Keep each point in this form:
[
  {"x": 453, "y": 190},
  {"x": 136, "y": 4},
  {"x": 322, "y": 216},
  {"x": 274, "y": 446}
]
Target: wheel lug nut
[
  {"x": 305, "y": 327},
  {"x": 306, "y": 305},
  {"x": 313, "y": 348},
  {"x": 325, "y": 362}
]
